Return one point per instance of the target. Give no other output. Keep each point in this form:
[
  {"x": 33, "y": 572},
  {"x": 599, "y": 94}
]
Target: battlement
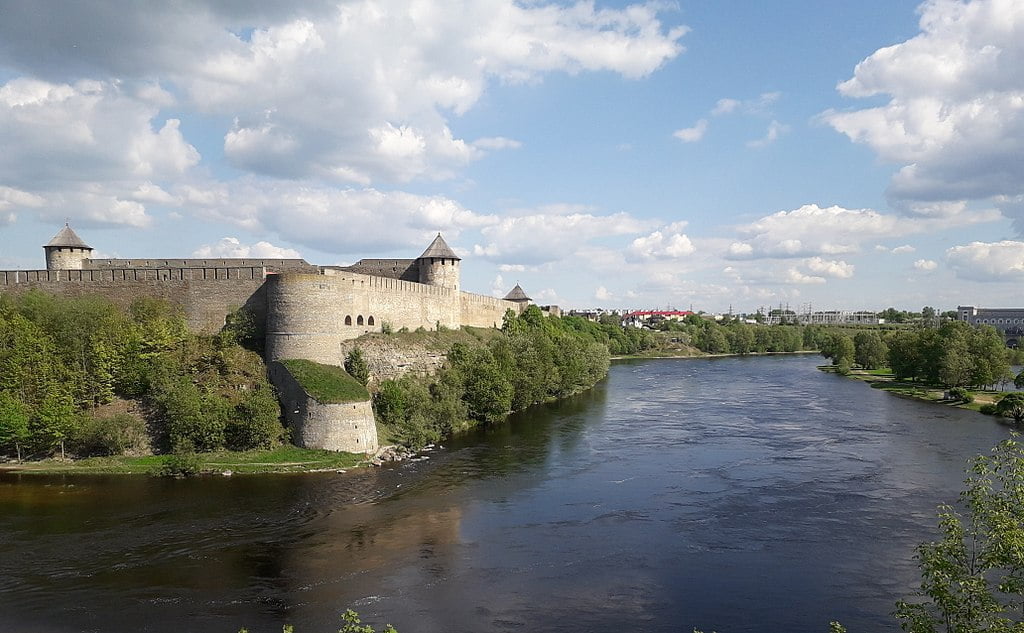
[
  {"x": 248, "y": 273},
  {"x": 272, "y": 265}
]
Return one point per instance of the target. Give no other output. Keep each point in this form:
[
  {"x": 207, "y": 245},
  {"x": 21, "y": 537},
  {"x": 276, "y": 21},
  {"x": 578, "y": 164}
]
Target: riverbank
[
  {"x": 283, "y": 459},
  {"x": 885, "y": 380},
  {"x": 660, "y": 354}
]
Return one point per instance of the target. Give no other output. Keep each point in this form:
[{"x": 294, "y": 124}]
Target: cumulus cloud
[
  {"x": 988, "y": 261},
  {"x": 955, "y": 115},
  {"x": 725, "y": 106},
  {"x": 830, "y": 268},
  {"x": 89, "y": 150},
  {"x": 812, "y": 230},
  {"x": 658, "y": 245},
  {"x": 329, "y": 219},
  {"x": 926, "y": 265},
  {"x": 692, "y": 134},
  {"x": 759, "y": 105},
  {"x": 228, "y": 247},
  {"x": 602, "y": 294},
  {"x": 380, "y": 110},
  {"x": 794, "y": 276},
  {"x": 540, "y": 237}
]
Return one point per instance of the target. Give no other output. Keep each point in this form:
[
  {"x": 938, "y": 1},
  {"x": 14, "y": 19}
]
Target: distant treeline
[
  {"x": 537, "y": 358},
  {"x": 953, "y": 354},
  {"x": 733, "y": 336},
  {"x": 62, "y": 359}
]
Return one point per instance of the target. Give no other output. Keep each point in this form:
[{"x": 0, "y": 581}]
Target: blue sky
[{"x": 711, "y": 154}]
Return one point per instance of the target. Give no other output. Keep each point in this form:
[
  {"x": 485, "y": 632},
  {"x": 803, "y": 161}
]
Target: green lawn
[
  {"x": 329, "y": 384},
  {"x": 283, "y": 459}
]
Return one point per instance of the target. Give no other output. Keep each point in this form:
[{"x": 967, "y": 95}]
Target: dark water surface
[{"x": 736, "y": 494}]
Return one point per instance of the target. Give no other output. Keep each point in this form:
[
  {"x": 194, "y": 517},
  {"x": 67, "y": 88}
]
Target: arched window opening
[
  {"x": 369, "y": 320},
  {"x": 348, "y": 320},
  {"x": 359, "y": 320}
]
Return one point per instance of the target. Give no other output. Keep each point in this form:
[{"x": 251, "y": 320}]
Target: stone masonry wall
[
  {"x": 348, "y": 427},
  {"x": 311, "y": 316},
  {"x": 206, "y": 295},
  {"x": 390, "y": 359}
]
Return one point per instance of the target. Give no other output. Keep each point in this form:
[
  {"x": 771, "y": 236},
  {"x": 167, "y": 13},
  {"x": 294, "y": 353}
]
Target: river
[{"x": 734, "y": 494}]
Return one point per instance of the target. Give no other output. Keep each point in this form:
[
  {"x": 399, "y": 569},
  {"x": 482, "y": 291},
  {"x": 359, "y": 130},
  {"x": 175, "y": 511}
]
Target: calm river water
[{"x": 751, "y": 494}]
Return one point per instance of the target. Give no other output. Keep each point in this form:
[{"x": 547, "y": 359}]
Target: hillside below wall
[
  {"x": 348, "y": 427},
  {"x": 391, "y": 359},
  {"x": 205, "y": 295}
]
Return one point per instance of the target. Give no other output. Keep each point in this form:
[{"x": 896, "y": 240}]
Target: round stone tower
[
  {"x": 439, "y": 265},
  {"x": 66, "y": 251}
]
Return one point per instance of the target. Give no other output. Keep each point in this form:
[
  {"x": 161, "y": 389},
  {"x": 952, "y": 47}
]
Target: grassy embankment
[
  {"x": 885, "y": 380},
  {"x": 283, "y": 459}
]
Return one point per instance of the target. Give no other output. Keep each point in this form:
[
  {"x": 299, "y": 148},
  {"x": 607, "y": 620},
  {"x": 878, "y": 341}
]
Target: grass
[
  {"x": 283, "y": 459},
  {"x": 329, "y": 384},
  {"x": 885, "y": 380}
]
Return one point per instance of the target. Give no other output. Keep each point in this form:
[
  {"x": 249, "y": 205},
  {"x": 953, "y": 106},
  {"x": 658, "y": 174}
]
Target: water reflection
[{"x": 735, "y": 494}]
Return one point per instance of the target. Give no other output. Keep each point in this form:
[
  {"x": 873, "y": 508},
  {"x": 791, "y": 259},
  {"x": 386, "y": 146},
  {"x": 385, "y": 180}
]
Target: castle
[{"x": 306, "y": 311}]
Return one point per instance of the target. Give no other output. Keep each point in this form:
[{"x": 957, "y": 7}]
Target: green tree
[
  {"x": 973, "y": 578},
  {"x": 355, "y": 364},
  {"x": 869, "y": 350},
  {"x": 1012, "y": 406},
  {"x": 14, "y": 420},
  {"x": 1018, "y": 381}
]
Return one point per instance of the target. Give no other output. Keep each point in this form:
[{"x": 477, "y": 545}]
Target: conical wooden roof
[
  {"x": 517, "y": 294},
  {"x": 439, "y": 249},
  {"x": 67, "y": 238}
]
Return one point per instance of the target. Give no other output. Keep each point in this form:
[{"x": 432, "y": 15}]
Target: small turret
[
  {"x": 66, "y": 251},
  {"x": 439, "y": 265},
  {"x": 516, "y": 295}
]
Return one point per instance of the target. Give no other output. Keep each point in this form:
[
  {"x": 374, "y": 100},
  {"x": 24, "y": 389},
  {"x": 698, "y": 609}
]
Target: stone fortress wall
[
  {"x": 307, "y": 311},
  {"x": 205, "y": 295},
  {"x": 311, "y": 316}
]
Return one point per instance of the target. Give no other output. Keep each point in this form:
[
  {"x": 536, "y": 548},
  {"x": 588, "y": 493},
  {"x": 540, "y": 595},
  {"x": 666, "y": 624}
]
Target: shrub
[
  {"x": 255, "y": 422},
  {"x": 385, "y": 327},
  {"x": 988, "y": 408},
  {"x": 355, "y": 365},
  {"x": 117, "y": 435},
  {"x": 961, "y": 395},
  {"x": 180, "y": 465}
]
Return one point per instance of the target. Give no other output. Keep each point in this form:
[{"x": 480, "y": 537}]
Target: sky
[{"x": 708, "y": 154}]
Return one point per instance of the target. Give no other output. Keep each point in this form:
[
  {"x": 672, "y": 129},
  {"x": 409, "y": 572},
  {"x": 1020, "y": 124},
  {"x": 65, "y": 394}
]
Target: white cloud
[
  {"x": 602, "y": 294},
  {"x": 775, "y": 130},
  {"x": 794, "y": 276},
  {"x": 725, "y": 106},
  {"x": 906, "y": 248},
  {"x": 692, "y": 134},
  {"x": 329, "y": 219},
  {"x": 540, "y": 237},
  {"x": 988, "y": 261},
  {"x": 228, "y": 247},
  {"x": 830, "y": 268},
  {"x": 926, "y": 265},
  {"x": 955, "y": 115},
  {"x": 812, "y": 230},
  {"x": 498, "y": 287},
  {"x": 89, "y": 150},
  {"x": 660, "y": 245},
  {"x": 496, "y": 143},
  {"x": 760, "y": 105}
]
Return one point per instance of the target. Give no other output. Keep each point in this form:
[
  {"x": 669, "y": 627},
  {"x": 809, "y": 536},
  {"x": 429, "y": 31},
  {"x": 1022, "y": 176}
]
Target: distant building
[
  {"x": 641, "y": 318},
  {"x": 1008, "y": 321}
]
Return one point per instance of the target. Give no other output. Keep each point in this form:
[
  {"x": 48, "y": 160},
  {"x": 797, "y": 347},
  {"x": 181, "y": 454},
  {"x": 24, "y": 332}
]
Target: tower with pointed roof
[
  {"x": 66, "y": 251},
  {"x": 439, "y": 265},
  {"x": 517, "y": 295}
]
